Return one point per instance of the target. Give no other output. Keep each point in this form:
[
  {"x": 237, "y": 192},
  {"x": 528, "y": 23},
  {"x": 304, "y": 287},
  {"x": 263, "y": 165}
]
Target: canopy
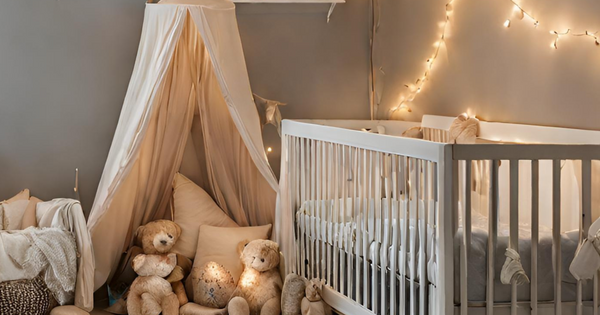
[{"x": 188, "y": 108}]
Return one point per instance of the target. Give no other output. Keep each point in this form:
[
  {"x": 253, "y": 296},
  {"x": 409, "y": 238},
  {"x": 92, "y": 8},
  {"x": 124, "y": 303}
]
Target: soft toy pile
[{"x": 158, "y": 288}]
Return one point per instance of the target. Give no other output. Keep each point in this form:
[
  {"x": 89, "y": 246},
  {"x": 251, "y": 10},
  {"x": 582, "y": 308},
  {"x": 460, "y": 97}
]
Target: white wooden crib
[{"x": 394, "y": 227}]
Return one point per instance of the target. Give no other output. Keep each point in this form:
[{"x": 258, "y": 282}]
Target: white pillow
[
  {"x": 13, "y": 214},
  {"x": 193, "y": 207}
]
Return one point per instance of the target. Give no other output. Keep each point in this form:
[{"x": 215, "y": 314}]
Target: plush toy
[
  {"x": 259, "y": 288},
  {"x": 292, "y": 294},
  {"x": 158, "y": 238},
  {"x": 312, "y": 303},
  {"x": 150, "y": 293}
]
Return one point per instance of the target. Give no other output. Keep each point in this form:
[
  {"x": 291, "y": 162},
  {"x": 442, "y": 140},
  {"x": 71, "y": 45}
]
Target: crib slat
[
  {"x": 556, "y": 248},
  {"x": 324, "y": 209},
  {"x": 380, "y": 292},
  {"x": 466, "y": 241},
  {"x": 423, "y": 241},
  {"x": 363, "y": 255},
  {"x": 403, "y": 232},
  {"x": 303, "y": 199},
  {"x": 360, "y": 229},
  {"x": 374, "y": 180},
  {"x": 535, "y": 191},
  {"x": 329, "y": 214},
  {"x": 343, "y": 195},
  {"x": 394, "y": 259},
  {"x": 514, "y": 224},
  {"x": 586, "y": 217},
  {"x": 413, "y": 188},
  {"x": 336, "y": 215},
  {"x": 318, "y": 209},
  {"x": 493, "y": 228},
  {"x": 355, "y": 221}
]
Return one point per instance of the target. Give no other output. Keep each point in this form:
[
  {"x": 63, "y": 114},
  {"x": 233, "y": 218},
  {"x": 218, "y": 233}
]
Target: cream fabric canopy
[{"x": 188, "y": 108}]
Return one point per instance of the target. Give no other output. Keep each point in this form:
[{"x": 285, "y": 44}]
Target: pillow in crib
[{"x": 193, "y": 207}]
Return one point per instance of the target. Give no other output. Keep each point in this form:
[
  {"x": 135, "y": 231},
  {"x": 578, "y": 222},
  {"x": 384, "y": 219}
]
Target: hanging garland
[{"x": 414, "y": 89}]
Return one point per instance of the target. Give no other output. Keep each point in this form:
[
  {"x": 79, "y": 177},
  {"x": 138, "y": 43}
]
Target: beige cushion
[
  {"x": 13, "y": 214},
  {"x": 220, "y": 244},
  {"x": 193, "y": 207},
  {"x": 29, "y": 216},
  {"x": 68, "y": 310},
  {"x": 4, "y": 225}
]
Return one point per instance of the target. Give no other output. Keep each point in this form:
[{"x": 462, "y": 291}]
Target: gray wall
[
  {"x": 64, "y": 70},
  {"x": 65, "y": 66},
  {"x": 500, "y": 74}
]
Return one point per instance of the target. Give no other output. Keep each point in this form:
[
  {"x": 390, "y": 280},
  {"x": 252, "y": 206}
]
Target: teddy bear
[
  {"x": 312, "y": 303},
  {"x": 158, "y": 238},
  {"x": 258, "y": 291},
  {"x": 150, "y": 293}
]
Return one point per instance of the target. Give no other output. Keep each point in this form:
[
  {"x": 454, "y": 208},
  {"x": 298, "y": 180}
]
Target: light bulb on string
[{"x": 507, "y": 23}]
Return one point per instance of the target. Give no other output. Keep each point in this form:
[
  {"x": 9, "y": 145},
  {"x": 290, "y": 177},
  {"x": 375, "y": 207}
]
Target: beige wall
[
  {"x": 65, "y": 66},
  {"x": 500, "y": 74}
]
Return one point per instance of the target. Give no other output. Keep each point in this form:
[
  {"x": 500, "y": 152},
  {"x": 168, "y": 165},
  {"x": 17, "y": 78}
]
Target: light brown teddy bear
[
  {"x": 158, "y": 238},
  {"x": 150, "y": 293},
  {"x": 258, "y": 291}
]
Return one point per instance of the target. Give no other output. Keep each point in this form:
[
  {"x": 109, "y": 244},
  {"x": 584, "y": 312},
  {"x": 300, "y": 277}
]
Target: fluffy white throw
[{"x": 51, "y": 252}]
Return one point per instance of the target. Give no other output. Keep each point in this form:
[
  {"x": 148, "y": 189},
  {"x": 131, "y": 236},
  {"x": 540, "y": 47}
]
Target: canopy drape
[{"x": 188, "y": 108}]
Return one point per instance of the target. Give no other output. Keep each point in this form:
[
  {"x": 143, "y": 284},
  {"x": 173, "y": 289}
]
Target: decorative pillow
[
  {"x": 220, "y": 244},
  {"x": 29, "y": 216},
  {"x": 13, "y": 214},
  {"x": 193, "y": 207},
  {"x": 4, "y": 225}
]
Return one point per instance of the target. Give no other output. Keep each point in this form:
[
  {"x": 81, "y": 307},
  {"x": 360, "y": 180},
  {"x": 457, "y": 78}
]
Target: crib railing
[
  {"x": 376, "y": 217},
  {"x": 386, "y": 197},
  {"x": 493, "y": 155}
]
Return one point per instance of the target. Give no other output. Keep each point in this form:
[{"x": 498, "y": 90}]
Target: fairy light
[
  {"x": 417, "y": 87},
  {"x": 269, "y": 150},
  {"x": 518, "y": 11},
  {"x": 554, "y": 43},
  {"x": 521, "y": 13}
]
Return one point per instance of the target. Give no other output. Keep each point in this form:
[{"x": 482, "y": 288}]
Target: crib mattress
[
  {"x": 477, "y": 267},
  {"x": 346, "y": 233}
]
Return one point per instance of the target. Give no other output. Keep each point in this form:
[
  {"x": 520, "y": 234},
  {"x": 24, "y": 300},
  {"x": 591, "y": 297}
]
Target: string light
[
  {"x": 269, "y": 150},
  {"x": 554, "y": 44},
  {"x": 414, "y": 89}
]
